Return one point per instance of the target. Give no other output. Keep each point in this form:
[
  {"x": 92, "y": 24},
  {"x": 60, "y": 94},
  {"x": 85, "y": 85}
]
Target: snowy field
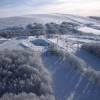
[{"x": 74, "y": 71}]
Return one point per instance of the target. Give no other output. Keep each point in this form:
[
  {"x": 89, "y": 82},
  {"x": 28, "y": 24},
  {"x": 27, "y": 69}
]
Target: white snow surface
[
  {"x": 89, "y": 30},
  {"x": 59, "y": 68},
  {"x": 45, "y": 18},
  {"x": 66, "y": 79}
]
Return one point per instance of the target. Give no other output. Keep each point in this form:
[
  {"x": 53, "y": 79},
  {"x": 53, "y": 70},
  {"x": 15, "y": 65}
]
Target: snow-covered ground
[
  {"x": 45, "y": 18},
  {"x": 89, "y": 30},
  {"x": 68, "y": 83},
  {"x": 75, "y": 72}
]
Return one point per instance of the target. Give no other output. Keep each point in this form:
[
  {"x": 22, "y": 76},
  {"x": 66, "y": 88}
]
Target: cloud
[
  {"x": 17, "y": 3},
  {"x": 20, "y": 7}
]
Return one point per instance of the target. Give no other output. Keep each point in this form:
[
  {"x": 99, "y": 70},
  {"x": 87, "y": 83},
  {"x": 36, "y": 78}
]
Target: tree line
[{"x": 37, "y": 29}]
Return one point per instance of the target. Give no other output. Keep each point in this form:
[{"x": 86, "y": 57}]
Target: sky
[{"x": 24, "y": 7}]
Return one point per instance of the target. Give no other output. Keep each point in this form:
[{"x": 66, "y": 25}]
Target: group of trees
[
  {"x": 40, "y": 29},
  {"x": 22, "y": 72},
  {"x": 52, "y": 28},
  {"x": 13, "y": 32}
]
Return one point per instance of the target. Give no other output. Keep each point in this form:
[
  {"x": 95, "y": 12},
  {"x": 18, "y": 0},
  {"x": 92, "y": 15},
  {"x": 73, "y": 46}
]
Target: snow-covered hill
[
  {"x": 74, "y": 70},
  {"x": 74, "y": 77},
  {"x": 85, "y": 24},
  {"x": 44, "y": 18}
]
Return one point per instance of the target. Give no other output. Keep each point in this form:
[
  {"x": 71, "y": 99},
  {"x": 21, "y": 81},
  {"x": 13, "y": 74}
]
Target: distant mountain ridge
[
  {"x": 95, "y": 17},
  {"x": 43, "y": 18}
]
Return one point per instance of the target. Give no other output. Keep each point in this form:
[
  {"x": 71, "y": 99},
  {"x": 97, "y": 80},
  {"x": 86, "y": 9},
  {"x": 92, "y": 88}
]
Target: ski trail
[
  {"x": 58, "y": 61},
  {"x": 56, "y": 69},
  {"x": 73, "y": 93},
  {"x": 84, "y": 91},
  {"x": 71, "y": 97},
  {"x": 71, "y": 80},
  {"x": 80, "y": 79},
  {"x": 86, "y": 88}
]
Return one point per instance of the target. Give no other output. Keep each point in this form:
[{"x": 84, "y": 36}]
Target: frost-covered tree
[
  {"x": 52, "y": 28},
  {"x": 68, "y": 28},
  {"x": 22, "y": 72},
  {"x": 36, "y": 29},
  {"x": 13, "y": 32}
]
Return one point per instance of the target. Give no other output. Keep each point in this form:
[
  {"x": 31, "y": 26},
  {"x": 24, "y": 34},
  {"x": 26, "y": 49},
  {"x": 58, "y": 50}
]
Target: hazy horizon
[{"x": 10, "y": 8}]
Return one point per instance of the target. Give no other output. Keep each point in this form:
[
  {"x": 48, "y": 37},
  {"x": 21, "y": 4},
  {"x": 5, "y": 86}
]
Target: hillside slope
[{"x": 69, "y": 81}]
